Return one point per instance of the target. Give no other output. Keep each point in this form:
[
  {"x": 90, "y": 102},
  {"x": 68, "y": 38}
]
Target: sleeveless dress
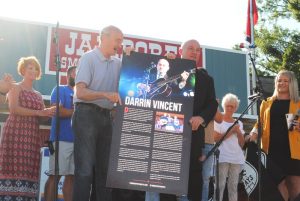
[{"x": 20, "y": 152}]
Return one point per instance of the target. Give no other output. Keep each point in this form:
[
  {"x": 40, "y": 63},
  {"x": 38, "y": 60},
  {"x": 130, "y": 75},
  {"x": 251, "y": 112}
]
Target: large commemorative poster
[{"x": 150, "y": 148}]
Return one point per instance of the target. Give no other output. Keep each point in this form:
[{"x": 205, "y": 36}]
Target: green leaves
[{"x": 278, "y": 42}]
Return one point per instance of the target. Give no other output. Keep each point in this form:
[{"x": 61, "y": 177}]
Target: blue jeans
[
  {"x": 207, "y": 171},
  {"x": 152, "y": 196},
  {"x": 93, "y": 130}
]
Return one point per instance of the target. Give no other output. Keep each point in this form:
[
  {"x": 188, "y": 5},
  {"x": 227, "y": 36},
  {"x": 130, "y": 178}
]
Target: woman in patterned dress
[{"x": 20, "y": 140}]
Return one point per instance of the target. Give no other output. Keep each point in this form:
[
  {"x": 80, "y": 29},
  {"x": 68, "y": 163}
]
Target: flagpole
[
  {"x": 252, "y": 44},
  {"x": 254, "y": 74},
  {"x": 252, "y": 54}
]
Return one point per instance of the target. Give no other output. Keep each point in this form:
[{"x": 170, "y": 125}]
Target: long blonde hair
[{"x": 293, "y": 84}]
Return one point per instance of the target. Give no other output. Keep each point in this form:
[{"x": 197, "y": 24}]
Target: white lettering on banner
[
  {"x": 155, "y": 48},
  {"x": 127, "y": 42},
  {"x": 141, "y": 44},
  {"x": 65, "y": 62},
  {"x": 85, "y": 43},
  {"x": 171, "y": 48},
  {"x": 72, "y": 63},
  {"x": 71, "y": 50},
  {"x": 69, "y": 58},
  {"x": 74, "y": 43}
]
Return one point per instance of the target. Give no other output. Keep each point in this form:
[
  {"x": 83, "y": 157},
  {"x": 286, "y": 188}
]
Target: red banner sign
[{"x": 73, "y": 43}]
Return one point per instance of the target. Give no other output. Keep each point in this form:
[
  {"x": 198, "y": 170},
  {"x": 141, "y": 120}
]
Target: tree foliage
[
  {"x": 276, "y": 9},
  {"x": 278, "y": 42}
]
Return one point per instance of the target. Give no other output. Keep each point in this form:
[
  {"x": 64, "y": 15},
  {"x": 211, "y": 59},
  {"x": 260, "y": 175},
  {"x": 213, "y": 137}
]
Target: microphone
[
  {"x": 296, "y": 117},
  {"x": 254, "y": 96},
  {"x": 248, "y": 46}
]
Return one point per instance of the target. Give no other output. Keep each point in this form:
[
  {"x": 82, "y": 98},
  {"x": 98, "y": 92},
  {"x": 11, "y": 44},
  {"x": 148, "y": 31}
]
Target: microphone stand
[
  {"x": 57, "y": 125},
  {"x": 260, "y": 95},
  {"x": 216, "y": 151}
]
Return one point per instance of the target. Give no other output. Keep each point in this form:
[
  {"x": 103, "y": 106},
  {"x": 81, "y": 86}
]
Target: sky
[{"x": 216, "y": 23}]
